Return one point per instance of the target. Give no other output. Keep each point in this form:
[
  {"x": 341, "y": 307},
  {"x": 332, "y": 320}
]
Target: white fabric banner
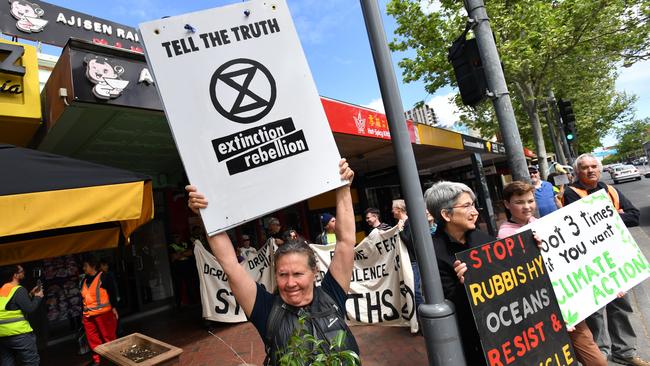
[
  {"x": 217, "y": 300},
  {"x": 590, "y": 255},
  {"x": 381, "y": 291}
]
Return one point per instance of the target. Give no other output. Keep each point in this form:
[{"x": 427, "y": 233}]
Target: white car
[
  {"x": 625, "y": 172},
  {"x": 610, "y": 168}
]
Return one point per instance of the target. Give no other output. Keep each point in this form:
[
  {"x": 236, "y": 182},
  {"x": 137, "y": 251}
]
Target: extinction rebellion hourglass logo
[{"x": 244, "y": 91}]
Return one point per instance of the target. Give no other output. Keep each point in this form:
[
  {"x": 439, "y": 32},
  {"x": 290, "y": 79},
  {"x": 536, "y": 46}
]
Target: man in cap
[
  {"x": 327, "y": 236},
  {"x": 545, "y": 197},
  {"x": 274, "y": 230},
  {"x": 245, "y": 250}
]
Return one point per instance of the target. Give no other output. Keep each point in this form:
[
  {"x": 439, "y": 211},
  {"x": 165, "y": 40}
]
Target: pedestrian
[
  {"x": 558, "y": 189},
  {"x": 373, "y": 219},
  {"x": 405, "y": 235},
  {"x": 99, "y": 314},
  {"x": 183, "y": 268},
  {"x": 545, "y": 197},
  {"x": 275, "y": 316},
  {"x": 245, "y": 250},
  {"x": 274, "y": 230},
  {"x": 17, "y": 339},
  {"x": 453, "y": 208},
  {"x": 432, "y": 222},
  {"x": 519, "y": 200},
  {"x": 619, "y": 328},
  {"x": 328, "y": 235},
  {"x": 105, "y": 267}
]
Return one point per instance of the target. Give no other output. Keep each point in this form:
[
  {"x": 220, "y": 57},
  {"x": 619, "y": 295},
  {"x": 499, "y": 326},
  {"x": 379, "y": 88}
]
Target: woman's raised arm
[
  {"x": 343, "y": 260},
  {"x": 242, "y": 285}
]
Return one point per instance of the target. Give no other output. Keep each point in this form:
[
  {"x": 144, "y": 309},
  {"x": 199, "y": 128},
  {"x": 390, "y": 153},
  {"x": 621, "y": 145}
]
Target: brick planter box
[{"x": 112, "y": 351}]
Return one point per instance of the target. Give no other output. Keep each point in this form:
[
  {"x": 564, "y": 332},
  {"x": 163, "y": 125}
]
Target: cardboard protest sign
[
  {"x": 514, "y": 307},
  {"x": 590, "y": 255},
  {"x": 381, "y": 291},
  {"x": 243, "y": 109}
]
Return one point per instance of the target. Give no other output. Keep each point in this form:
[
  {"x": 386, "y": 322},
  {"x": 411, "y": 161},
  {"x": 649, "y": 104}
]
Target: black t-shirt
[
  {"x": 264, "y": 302},
  {"x": 407, "y": 238}
]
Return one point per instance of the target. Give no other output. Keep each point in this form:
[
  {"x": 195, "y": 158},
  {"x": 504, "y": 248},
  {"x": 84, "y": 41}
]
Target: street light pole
[
  {"x": 498, "y": 88},
  {"x": 437, "y": 316}
]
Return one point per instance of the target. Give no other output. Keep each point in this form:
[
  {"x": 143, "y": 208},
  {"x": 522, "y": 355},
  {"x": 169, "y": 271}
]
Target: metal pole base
[{"x": 441, "y": 333}]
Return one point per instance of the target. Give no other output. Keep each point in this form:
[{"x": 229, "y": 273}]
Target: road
[{"x": 638, "y": 192}]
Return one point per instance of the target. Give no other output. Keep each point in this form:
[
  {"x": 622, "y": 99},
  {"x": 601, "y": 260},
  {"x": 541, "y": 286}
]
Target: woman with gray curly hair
[{"x": 453, "y": 208}]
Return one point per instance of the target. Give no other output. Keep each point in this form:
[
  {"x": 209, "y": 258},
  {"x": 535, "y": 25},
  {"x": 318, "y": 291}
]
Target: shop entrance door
[{"x": 149, "y": 275}]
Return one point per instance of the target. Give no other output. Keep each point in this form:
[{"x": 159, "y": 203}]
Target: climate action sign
[
  {"x": 590, "y": 255},
  {"x": 514, "y": 307}
]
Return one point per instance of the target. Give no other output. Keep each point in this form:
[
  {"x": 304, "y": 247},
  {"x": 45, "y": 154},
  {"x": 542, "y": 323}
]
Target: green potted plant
[{"x": 304, "y": 349}]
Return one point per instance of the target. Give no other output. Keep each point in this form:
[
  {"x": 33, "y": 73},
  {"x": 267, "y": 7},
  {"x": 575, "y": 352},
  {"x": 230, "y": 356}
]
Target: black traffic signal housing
[
  {"x": 468, "y": 68},
  {"x": 568, "y": 119}
]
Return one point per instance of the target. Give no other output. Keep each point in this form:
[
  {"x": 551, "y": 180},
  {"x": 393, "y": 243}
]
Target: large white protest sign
[
  {"x": 243, "y": 109},
  {"x": 381, "y": 291},
  {"x": 217, "y": 301},
  {"x": 590, "y": 255}
]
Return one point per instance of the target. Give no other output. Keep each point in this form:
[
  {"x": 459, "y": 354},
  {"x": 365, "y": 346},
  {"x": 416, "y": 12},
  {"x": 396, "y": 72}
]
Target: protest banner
[
  {"x": 514, "y": 307},
  {"x": 381, "y": 290},
  {"x": 590, "y": 255},
  {"x": 243, "y": 109},
  {"x": 217, "y": 301}
]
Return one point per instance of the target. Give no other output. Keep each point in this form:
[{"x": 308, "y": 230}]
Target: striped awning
[{"x": 51, "y": 205}]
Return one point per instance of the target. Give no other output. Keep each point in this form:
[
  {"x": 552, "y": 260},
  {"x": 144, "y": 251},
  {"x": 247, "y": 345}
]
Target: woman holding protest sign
[
  {"x": 519, "y": 200},
  {"x": 453, "y": 208},
  {"x": 276, "y": 315}
]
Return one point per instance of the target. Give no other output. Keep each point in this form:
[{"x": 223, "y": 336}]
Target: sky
[{"x": 333, "y": 36}]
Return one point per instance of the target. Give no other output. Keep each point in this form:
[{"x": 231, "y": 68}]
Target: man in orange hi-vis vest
[
  {"x": 621, "y": 333},
  {"x": 99, "y": 315}
]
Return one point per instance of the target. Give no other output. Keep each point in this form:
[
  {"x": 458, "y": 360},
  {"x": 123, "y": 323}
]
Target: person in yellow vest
[
  {"x": 184, "y": 272},
  {"x": 17, "y": 340},
  {"x": 99, "y": 316},
  {"x": 623, "y": 339}
]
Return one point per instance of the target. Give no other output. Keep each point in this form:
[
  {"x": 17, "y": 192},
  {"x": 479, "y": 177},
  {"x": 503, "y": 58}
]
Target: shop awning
[{"x": 52, "y": 205}]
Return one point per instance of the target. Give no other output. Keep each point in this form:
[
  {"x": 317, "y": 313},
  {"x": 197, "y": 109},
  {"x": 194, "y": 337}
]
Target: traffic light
[
  {"x": 570, "y": 132},
  {"x": 568, "y": 119},
  {"x": 468, "y": 68}
]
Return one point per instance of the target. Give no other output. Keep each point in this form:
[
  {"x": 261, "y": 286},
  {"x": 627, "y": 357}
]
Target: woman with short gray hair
[{"x": 452, "y": 205}]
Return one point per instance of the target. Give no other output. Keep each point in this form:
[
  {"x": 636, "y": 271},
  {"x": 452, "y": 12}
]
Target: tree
[
  {"x": 631, "y": 137},
  {"x": 570, "y": 45}
]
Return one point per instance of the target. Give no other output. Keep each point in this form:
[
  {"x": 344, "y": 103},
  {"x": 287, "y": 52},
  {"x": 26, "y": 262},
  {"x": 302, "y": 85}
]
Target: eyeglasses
[{"x": 467, "y": 207}]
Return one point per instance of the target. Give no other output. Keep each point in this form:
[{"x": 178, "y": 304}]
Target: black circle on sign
[{"x": 250, "y": 69}]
